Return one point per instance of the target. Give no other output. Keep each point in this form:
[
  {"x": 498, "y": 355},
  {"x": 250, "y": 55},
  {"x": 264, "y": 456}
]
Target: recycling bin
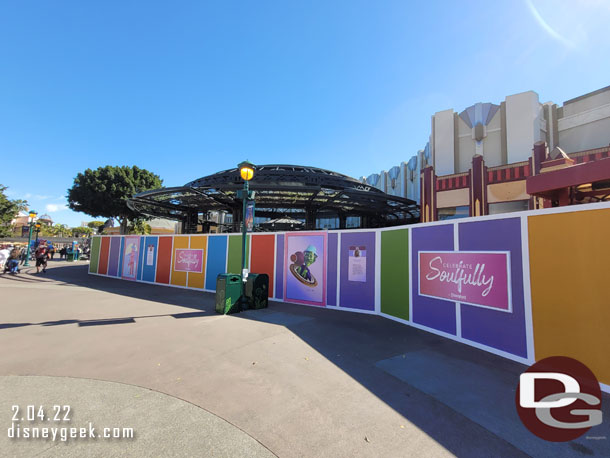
[
  {"x": 228, "y": 291},
  {"x": 257, "y": 291}
]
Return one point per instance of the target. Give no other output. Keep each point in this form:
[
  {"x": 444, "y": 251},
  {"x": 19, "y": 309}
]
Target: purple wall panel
[
  {"x": 434, "y": 313},
  {"x": 353, "y": 294},
  {"x": 331, "y": 269},
  {"x": 279, "y": 267},
  {"x": 113, "y": 260},
  {"x": 501, "y": 330}
]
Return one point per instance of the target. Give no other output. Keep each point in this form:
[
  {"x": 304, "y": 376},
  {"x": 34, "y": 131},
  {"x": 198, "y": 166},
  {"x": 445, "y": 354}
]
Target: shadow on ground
[{"x": 462, "y": 397}]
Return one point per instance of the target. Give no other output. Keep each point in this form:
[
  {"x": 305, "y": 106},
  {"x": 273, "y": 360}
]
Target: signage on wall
[
  {"x": 357, "y": 264},
  {"x": 187, "y": 260},
  {"x": 150, "y": 255},
  {"x": 479, "y": 278},
  {"x": 305, "y": 268}
]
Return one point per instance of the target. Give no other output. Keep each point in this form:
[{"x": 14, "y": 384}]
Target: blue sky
[{"x": 188, "y": 88}]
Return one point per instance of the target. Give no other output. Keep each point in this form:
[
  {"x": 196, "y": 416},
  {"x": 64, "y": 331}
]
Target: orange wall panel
[
  {"x": 262, "y": 258},
  {"x": 570, "y": 285}
]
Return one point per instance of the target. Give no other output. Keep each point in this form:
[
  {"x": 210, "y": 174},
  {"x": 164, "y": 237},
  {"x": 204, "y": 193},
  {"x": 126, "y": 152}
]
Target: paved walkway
[{"x": 289, "y": 380}]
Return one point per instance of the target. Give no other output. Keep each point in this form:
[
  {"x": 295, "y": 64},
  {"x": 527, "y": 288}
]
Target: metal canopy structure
[{"x": 299, "y": 192}]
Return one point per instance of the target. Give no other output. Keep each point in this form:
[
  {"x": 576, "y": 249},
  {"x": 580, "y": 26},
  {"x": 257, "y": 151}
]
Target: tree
[
  {"x": 81, "y": 231},
  {"x": 140, "y": 227},
  {"x": 104, "y": 192},
  {"x": 9, "y": 209},
  {"x": 97, "y": 226}
]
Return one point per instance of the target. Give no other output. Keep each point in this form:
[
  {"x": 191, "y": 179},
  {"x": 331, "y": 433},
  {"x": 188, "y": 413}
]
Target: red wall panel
[
  {"x": 164, "y": 259},
  {"x": 104, "y": 251},
  {"x": 262, "y": 258}
]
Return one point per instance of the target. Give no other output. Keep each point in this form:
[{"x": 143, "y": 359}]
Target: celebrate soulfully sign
[{"x": 480, "y": 278}]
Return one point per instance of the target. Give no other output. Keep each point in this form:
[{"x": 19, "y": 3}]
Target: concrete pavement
[{"x": 295, "y": 380}]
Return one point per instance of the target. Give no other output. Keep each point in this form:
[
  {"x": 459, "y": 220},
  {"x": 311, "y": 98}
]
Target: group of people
[{"x": 11, "y": 257}]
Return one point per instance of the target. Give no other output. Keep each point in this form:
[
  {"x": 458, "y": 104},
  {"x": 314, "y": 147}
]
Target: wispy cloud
[
  {"x": 52, "y": 208},
  {"x": 547, "y": 28}
]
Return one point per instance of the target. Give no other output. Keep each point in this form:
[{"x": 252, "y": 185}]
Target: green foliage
[
  {"x": 81, "y": 231},
  {"x": 140, "y": 227},
  {"x": 104, "y": 192},
  {"x": 8, "y": 211},
  {"x": 97, "y": 226}
]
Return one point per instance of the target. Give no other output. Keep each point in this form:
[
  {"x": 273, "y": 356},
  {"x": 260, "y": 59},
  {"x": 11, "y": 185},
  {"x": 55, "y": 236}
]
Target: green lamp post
[
  {"x": 31, "y": 215},
  {"x": 246, "y": 171}
]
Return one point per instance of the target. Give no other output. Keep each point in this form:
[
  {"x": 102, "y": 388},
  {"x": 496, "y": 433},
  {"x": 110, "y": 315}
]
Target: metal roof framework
[{"x": 294, "y": 191}]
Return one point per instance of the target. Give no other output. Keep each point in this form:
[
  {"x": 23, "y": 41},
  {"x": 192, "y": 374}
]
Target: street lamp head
[
  {"x": 33, "y": 214},
  {"x": 246, "y": 170},
  {"x": 37, "y": 225}
]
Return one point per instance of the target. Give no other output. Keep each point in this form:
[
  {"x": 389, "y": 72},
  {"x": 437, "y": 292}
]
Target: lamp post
[
  {"x": 246, "y": 171},
  {"x": 31, "y": 215},
  {"x": 37, "y": 232}
]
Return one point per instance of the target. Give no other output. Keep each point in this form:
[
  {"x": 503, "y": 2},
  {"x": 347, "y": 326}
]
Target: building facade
[{"x": 477, "y": 161}]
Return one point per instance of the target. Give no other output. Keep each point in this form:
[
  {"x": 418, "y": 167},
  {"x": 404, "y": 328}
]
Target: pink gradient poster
[
  {"x": 131, "y": 255},
  {"x": 188, "y": 260},
  {"x": 480, "y": 278}
]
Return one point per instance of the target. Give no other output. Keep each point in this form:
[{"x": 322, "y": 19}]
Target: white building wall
[
  {"x": 522, "y": 125},
  {"x": 443, "y": 153}
]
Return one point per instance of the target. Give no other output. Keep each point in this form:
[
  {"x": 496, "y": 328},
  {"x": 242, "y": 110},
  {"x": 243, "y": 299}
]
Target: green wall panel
[
  {"x": 395, "y": 273},
  {"x": 234, "y": 261},
  {"x": 95, "y": 254}
]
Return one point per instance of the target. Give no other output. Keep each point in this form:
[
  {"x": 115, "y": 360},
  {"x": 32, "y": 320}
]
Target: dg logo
[{"x": 559, "y": 399}]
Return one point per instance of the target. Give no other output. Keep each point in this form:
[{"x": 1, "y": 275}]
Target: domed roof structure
[{"x": 300, "y": 192}]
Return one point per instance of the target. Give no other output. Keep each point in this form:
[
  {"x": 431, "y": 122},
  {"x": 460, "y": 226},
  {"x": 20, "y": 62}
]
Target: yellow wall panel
[
  {"x": 179, "y": 278},
  {"x": 570, "y": 281},
  {"x": 199, "y": 242}
]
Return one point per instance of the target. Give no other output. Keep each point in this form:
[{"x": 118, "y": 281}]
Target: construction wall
[{"x": 523, "y": 285}]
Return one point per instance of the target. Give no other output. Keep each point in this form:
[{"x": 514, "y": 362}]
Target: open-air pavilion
[{"x": 320, "y": 198}]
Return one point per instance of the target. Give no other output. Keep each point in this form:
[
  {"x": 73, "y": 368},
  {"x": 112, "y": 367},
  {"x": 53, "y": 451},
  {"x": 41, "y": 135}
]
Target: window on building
[
  {"x": 507, "y": 207},
  {"x": 452, "y": 213}
]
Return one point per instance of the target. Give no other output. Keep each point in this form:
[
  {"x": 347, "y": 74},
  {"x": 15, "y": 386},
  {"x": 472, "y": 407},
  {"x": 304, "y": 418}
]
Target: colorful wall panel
[
  {"x": 141, "y": 258},
  {"x": 104, "y": 250},
  {"x": 263, "y": 257},
  {"x": 394, "y": 271},
  {"x": 331, "y": 269},
  {"x": 357, "y": 275},
  {"x": 501, "y": 330},
  {"x": 279, "y": 267},
  {"x": 196, "y": 277},
  {"x": 216, "y": 259},
  {"x": 434, "y": 313},
  {"x": 178, "y": 278},
  {"x": 113, "y": 260},
  {"x": 149, "y": 254},
  {"x": 234, "y": 258},
  {"x": 164, "y": 259},
  {"x": 569, "y": 255},
  {"x": 95, "y": 255}
]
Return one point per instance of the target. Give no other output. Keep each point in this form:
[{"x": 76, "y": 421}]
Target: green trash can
[
  {"x": 257, "y": 291},
  {"x": 70, "y": 256},
  {"x": 228, "y": 291}
]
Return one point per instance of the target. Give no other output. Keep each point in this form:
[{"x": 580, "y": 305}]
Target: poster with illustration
[
  {"x": 357, "y": 264},
  {"x": 131, "y": 254},
  {"x": 305, "y": 268}
]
